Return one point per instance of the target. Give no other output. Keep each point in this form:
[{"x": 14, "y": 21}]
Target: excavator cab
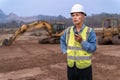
[
  {"x": 109, "y": 26},
  {"x": 58, "y": 27}
]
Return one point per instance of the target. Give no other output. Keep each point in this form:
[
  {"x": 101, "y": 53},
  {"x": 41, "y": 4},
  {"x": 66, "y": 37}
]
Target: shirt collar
[{"x": 74, "y": 28}]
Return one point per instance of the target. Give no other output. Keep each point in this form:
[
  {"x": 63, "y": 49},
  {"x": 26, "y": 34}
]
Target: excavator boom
[{"x": 25, "y": 28}]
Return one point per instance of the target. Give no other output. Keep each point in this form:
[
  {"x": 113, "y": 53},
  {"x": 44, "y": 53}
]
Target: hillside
[{"x": 13, "y": 20}]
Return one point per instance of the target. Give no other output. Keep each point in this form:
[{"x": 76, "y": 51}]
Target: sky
[{"x": 27, "y": 8}]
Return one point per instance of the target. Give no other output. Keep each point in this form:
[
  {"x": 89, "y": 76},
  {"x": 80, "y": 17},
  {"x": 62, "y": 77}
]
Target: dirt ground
[{"x": 25, "y": 59}]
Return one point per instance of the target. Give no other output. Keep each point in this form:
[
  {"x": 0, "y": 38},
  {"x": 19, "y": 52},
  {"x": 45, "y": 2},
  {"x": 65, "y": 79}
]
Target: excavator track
[{"x": 51, "y": 40}]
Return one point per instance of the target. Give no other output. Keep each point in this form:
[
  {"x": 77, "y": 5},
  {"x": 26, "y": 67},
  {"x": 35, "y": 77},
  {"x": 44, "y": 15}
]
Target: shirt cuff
[
  {"x": 85, "y": 45},
  {"x": 64, "y": 52}
]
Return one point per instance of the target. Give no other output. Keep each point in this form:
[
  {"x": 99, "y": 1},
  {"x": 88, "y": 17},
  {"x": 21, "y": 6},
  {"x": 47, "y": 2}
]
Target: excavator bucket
[{"x": 4, "y": 42}]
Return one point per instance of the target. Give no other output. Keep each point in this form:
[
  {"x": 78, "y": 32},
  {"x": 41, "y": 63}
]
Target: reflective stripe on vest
[
  {"x": 79, "y": 57},
  {"x": 75, "y": 53},
  {"x": 68, "y": 32},
  {"x": 74, "y": 48},
  {"x": 88, "y": 32}
]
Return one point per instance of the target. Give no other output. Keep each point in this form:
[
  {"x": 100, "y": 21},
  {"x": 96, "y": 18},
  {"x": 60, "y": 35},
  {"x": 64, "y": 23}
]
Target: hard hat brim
[{"x": 80, "y": 12}]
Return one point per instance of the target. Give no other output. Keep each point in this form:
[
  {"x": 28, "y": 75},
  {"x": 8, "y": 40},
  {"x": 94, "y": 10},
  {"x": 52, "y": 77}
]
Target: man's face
[{"x": 77, "y": 18}]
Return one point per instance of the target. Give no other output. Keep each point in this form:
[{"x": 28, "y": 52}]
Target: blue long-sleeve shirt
[{"x": 89, "y": 45}]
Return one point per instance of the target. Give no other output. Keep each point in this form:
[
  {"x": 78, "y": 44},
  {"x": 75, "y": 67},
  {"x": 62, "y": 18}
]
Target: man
[{"x": 79, "y": 43}]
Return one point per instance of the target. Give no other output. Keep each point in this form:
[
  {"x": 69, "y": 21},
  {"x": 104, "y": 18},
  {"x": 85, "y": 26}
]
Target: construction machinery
[
  {"x": 57, "y": 31},
  {"x": 54, "y": 32},
  {"x": 110, "y": 31}
]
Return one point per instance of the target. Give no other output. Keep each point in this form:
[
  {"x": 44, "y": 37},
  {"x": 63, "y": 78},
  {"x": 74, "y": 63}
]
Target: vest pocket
[
  {"x": 81, "y": 64},
  {"x": 70, "y": 63}
]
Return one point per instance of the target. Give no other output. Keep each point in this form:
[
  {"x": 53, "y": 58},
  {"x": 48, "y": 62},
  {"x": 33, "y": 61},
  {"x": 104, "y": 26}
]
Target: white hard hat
[{"x": 78, "y": 8}]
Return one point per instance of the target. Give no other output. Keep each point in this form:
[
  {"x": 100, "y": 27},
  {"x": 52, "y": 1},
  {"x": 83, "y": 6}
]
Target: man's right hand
[{"x": 78, "y": 38}]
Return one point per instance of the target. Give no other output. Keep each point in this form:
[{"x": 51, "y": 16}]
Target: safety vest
[{"x": 75, "y": 53}]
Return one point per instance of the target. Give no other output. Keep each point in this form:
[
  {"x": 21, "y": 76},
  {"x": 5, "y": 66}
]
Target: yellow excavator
[
  {"x": 110, "y": 31},
  {"x": 54, "y": 32}
]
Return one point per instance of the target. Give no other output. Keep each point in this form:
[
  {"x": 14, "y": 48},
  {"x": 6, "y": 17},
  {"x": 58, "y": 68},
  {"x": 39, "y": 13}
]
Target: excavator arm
[{"x": 27, "y": 27}]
